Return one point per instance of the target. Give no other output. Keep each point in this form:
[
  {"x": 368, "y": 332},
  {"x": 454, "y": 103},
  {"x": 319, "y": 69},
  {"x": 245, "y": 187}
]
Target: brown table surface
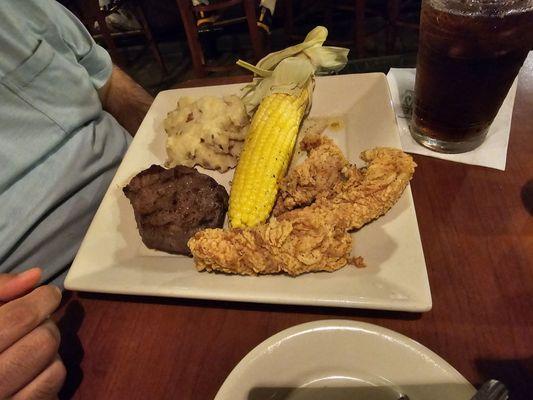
[{"x": 477, "y": 232}]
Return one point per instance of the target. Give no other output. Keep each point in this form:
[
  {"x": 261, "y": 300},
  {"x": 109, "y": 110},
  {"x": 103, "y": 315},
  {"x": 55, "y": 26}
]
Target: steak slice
[{"x": 171, "y": 205}]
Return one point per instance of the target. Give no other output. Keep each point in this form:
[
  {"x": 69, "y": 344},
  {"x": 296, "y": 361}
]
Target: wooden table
[{"x": 477, "y": 232}]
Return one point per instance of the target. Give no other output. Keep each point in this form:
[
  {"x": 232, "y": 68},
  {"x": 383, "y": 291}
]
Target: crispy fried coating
[
  {"x": 293, "y": 246},
  {"x": 351, "y": 203},
  {"x": 316, "y": 237},
  {"x": 316, "y": 176}
]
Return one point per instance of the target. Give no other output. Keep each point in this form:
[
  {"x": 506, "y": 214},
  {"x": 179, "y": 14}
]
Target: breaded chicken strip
[
  {"x": 313, "y": 238},
  {"x": 352, "y": 203},
  {"x": 315, "y": 177},
  {"x": 297, "y": 245}
]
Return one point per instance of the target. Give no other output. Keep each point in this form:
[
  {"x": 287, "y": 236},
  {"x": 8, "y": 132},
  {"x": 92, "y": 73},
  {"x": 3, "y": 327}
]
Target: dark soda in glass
[{"x": 470, "y": 52}]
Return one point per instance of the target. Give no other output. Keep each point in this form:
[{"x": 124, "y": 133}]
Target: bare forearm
[{"x": 125, "y": 99}]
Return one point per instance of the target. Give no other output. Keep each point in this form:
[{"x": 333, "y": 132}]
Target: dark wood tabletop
[{"x": 476, "y": 226}]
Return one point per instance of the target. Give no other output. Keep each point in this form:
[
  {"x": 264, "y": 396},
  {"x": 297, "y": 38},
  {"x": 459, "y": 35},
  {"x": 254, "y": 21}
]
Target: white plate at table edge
[{"x": 429, "y": 377}]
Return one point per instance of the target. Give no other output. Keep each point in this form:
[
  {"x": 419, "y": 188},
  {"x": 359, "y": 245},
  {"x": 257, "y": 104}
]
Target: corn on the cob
[
  {"x": 265, "y": 157},
  {"x": 282, "y": 95}
]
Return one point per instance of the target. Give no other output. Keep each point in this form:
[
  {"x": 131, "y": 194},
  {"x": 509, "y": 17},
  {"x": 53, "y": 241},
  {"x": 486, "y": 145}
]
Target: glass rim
[{"x": 481, "y": 7}]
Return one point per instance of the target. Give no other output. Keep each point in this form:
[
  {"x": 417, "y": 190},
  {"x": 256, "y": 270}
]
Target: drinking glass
[{"x": 470, "y": 52}]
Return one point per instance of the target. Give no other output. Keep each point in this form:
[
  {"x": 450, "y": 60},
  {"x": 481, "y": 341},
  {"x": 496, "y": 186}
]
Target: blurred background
[{"x": 167, "y": 43}]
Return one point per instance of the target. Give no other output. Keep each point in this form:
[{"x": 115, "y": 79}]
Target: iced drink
[{"x": 469, "y": 55}]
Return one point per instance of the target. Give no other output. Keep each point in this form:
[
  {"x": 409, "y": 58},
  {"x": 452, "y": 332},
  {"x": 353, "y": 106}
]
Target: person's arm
[
  {"x": 30, "y": 367},
  {"x": 125, "y": 99}
]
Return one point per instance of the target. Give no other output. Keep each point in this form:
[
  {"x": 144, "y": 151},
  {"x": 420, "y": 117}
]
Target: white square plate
[{"x": 113, "y": 259}]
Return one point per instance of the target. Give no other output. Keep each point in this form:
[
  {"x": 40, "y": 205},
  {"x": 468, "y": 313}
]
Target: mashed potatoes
[{"x": 208, "y": 132}]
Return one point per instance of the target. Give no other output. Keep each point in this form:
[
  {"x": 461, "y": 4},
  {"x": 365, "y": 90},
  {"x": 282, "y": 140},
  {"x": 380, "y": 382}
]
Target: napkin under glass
[{"x": 493, "y": 151}]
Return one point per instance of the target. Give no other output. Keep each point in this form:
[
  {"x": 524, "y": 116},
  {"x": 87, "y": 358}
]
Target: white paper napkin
[{"x": 493, "y": 151}]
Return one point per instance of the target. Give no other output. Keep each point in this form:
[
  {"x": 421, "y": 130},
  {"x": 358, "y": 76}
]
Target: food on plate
[
  {"x": 313, "y": 238},
  {"x": 313, "y": 208},
  {"x": 324, "y": 167},
  {"x": 281, "y": 93},
  {"x": 208, "y": 132},
  {"x": 293, "y": 246},
  {"x": 171, "y": 205},
  {"x": 265, "y": 157}
]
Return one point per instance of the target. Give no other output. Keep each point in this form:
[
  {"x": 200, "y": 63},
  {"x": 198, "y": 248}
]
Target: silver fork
[{"x": 490, "y": 390}]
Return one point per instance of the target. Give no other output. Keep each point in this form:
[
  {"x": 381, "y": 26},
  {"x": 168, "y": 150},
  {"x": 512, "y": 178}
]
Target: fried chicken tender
[
  {"x": 352, "y": 203},
  {"x": 316, "y": 176},
  {"x": 294, "y": 246},
  {"x": 316, "y": 237}
]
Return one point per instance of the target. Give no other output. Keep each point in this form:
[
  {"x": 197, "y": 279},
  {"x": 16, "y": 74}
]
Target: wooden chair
[
  {"x": 357, "y": 7},
  {"x": 91, "y": 12},
  {"x": 393, "y": 15},
  {"x": 188, "y": 12},
  {"x": 397, "y": 20}
]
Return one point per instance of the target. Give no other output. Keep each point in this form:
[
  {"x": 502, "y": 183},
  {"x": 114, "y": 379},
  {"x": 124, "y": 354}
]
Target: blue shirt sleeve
[
  {"x": 98, "y": 64},
  {"x": 93, "y": 57}
]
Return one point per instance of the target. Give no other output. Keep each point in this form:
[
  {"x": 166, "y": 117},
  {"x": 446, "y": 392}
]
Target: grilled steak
[{"x": 171, "y": 205}]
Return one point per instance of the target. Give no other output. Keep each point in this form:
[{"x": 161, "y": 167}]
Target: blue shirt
[{"x": 59, "y": 149}]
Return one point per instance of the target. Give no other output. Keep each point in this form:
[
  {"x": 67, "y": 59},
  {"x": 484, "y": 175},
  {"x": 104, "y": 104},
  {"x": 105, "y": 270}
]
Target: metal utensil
[{"x": 492, "y": 390}]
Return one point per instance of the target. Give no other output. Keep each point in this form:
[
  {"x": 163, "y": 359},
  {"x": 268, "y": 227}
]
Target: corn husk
[{"x": 293, "y": 69}]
